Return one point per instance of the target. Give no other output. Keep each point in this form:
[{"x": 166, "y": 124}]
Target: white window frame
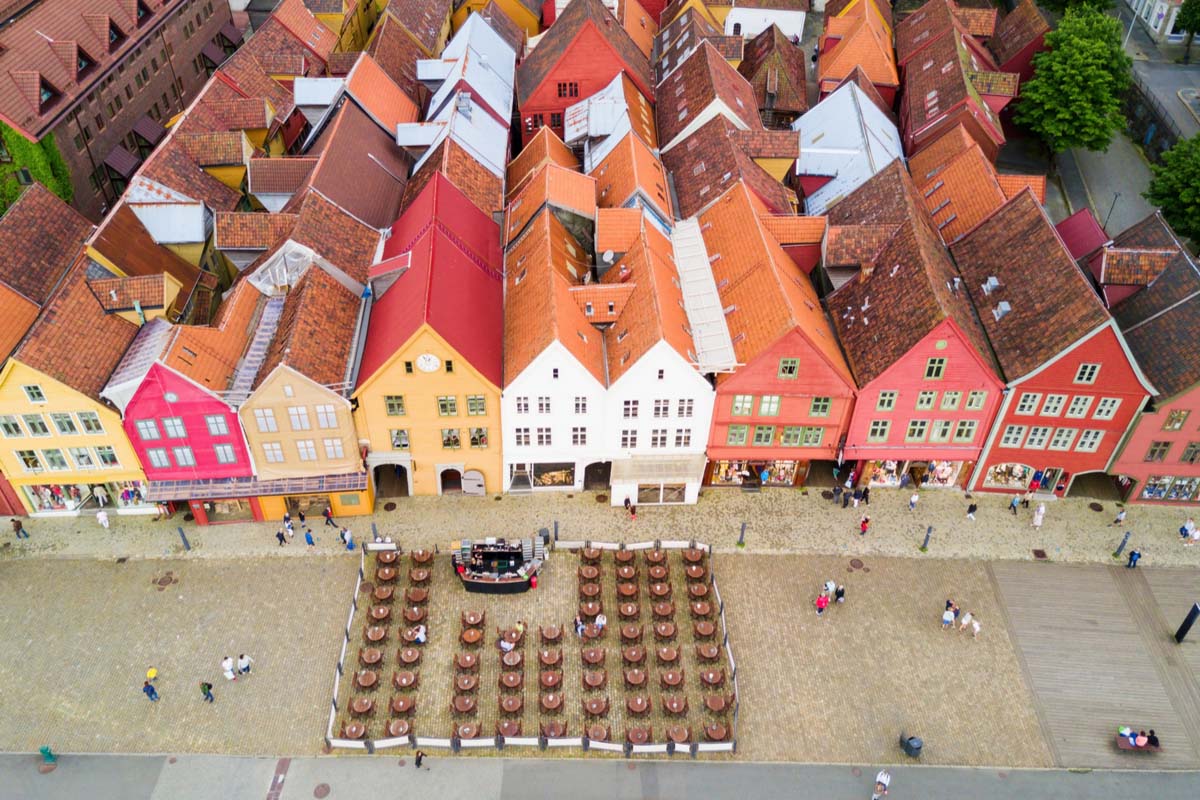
[
  {"x": 298, "y": 418},
  {"x": 103, "y": 450},
  {"x": 521, "y": 436},
  {"x": 221, "y": 426},
  {"x": 75, "y": 452},
  {"x": 683, "y": 437},
  {"x": 579, "y": 437},
  {"x": 225, "y": 453},
  {"x": 962, "y": 427},
  {"x": 886, "y": 401},
  {"x": 1039, "y": 435},
  {"x": 11, "y": 420},
  {"x": 334, "y": 449},
  {"x": 1013, "y": 436},
  {"x": 1087, "y": 373},
  {"x": 769, "y": 405},
  {"x": 62, "y": 457},
  {"x": 580, "y": 405},
  {"x": 327, "y": 417},
  {"x": 88, "y": 418},
  {"x": 1089, "y": 440},
  {"x": 685, "y": 408},
  {"x": 940, "y": 430},
  {"x": 58, "y": 417},
  {"x": 265, "y": 419},
  {"x": 1107, "y": 408},
  {"x": 306, "y": 449},
  {"x": 879, "y": 430},
  {"x": 1063, "y": 438},
  {"x": 926, "y": 400},
  {"x": 273, "y": 452},
  {"x": 1028, "y": 403},
  {"x": 1080, "y": 405},
  {"x": 976, "y": 399},
  {"x": 629, "y": 438},
  {"x": 33, "y": 393},
  {"x": 522, "y": 405},
  {"x": 1053, "y": 405}
]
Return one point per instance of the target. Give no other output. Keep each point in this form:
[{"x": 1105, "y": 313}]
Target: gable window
[
  {"x": 334, "y": 449},
  {"x": 174, "y": 427},
  {"x": 306, "y": 449},
  {"x": 1107, "y": 408},
  {"x": 158, "y": 457},
  {"x": 449, "y": 366},
  {"x": 1079, "y": 406},
  {"x": 925, "y": 400},
  {"x": 916, "y": 430},
  {"x": 964, "y": 431},
  {"x": 768, "y": 405},
  {"x": 764, "y": 435},
  {"x": 63, "y": 424},
  {"x": 820, "y": 407},
  {"x": 1038, "y": 436},
  {"x": 886, "y": 401},
  {"x": 394, "y": 403},
  {"x": 1158, "y": 451},
  {"x": 1053, "y": 405},
  {"x": 789, "y": 368},
  {"x": 976, "y": 400},
  {"x": 265, "y": 418},
  {"x": 1087, "y": 373},
  {"x": 737, "y": 434},
  {"x": 662, "y": 408},
  {"x": 184, "y": 456},
  {"x": 935, "y": 369},
  {"x": 298, "y": 418},
  {"x": 90, "y": 422},
  {"x": 1028, "y": 403},
  {"x": 522, "y": 405},
  {"x": 1062, "y": 439},
  {"x": 408, "y": 368},
  {"x": 684, "y": 409},
  {"x": 143, "y": 13},
  {"x": 580, "y": 405},
  {"x": 743, "y": 405},
  {"x": 34, "y": 393},
  {"x": 10, "y": 427},
  {"x": 568, "y": 89},
  {"x": 83, "y": 62},
  {"x": 217, "y": 426},
  {"x": 225, "y": 454},
  {"x": 147, "y": 430},
  {"x": 543, "y": 404},
  {"x": 476, "y": 405},
  {"x": 447, "y": 406},
  {"x": 1013, "y": 434},
  {"x": 1089, "y": 441},
  {"x": 326, "y": 417},
  {"x": 115, "y": 36},
  {"x": 399, "y": 437},
  {"x": 878, "y": 432},
  {"x": 658, "y": 437},
  {"x": 1174, "y": 421}
]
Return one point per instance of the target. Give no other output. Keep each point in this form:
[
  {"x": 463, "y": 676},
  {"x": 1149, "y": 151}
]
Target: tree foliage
[
  {"x": 1061, "y": 6},
  {"x": 1074, "y": 98},
  {"x": 43, "y": 160},
  {"x": 1188, "y": 20},
  {"x": 1175, "y": 187}
]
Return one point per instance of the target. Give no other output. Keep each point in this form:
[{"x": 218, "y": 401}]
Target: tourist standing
[
  {"x": 19, "y": 529},
  {"x": 206, "y": 692},
  {"x": 822, "y": 602},
  {"x": 102, "y": 518},
  {"x": 1188, "y": 527},
  {"x": 150, "y": 692},
  {"x": 101, "y": 495},
  {"x": 1134, "y": 557},
  {"x": 419, "y": 762},
  {"x": 1120, "y": 520},
  {"x": 971, "y": 509},
  {"x": 308, "y": 538},
  {"x": 912, "y": 501},
  {"x": 866, "y": 495},
  {"x": 227, "y": 669},
  {"x": 966, "y": 621},
  {"x": 1039, "y": 515},
  {"x": 1012, "y": 504},
  {"x": 243, "y": 664},
  {"x": 863, "y": 525},
  {"x": 282, "y": 539}
]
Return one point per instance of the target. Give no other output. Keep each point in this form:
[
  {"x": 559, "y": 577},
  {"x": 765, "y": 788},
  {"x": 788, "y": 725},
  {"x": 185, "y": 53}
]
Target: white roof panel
[
  {"x": 317, "y": 91},
  {"x": 706, "y": 316},
  {"x": 145, "y": 349}
]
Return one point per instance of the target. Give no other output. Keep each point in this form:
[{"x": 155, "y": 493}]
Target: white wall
[{"x": 756, "y": 20}]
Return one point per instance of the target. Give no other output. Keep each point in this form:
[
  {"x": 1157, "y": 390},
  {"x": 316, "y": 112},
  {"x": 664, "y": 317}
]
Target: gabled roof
[
  {"x": 601, "y": 120},
  {"x": 617, "y": 228},
  {"x": 508, "y": 30},
  {"x": 962, "y": 193},
  {"x": 316, "y": 330},
  {"x": 72, "y": 316},
  {"x": 40, "y": 238},
  {"x": 283, "y": 175},
  {"x": 632, "y": 168},
  {"x": 347, "y": 243},
  {"x": 209, "y": 354},
  {"x": 924, "y": 26},
  {"x": 301, "y": 23},
  {"x": 453, "y": 283},
  {"x": 935, "y": 155},
  {"x": 397, "y": 54},
  {"x": 704, "y": 165},
  {"x": 676, "y": 40},
  {"x": 544, "y": 148},
  {"x": 541, "y": 267},
  {"x": 422, "y": 19},
  {"x": 555, "y": 42},
  {"x": 172, "y": 167},
  {"x": 555, "y": 186},
  {"x": 1047, "y": 315},
  {"x": 774, "y": 66},
  {"x": 214, "y": 148},
  {"x": 639, "y": 24},
  {"x": 1161, "y": 323},
  {"x": 477, "y": 182},
  {"x": 764, "y": 294},
  {"x": 245, "y": 75},
  {"x": 979, "y": 22},
  {"x": 705, "y": 84},
  {"x": 250, "y": 230},
  {"x": 123, "y": 240},
  {"x": 378, "y": 95},
  {"x": 1082, "y": 234},
  {"x": 1018, "y": 29},
  {"x": 1123, "y": 266},
  {"x": 1013, "y": 185},
  {"x": 860, "y": 79},
  {"x": 938, "y": 81},
  {"x": 789, "y": 229},
  {"x": 864, "y": 42}
]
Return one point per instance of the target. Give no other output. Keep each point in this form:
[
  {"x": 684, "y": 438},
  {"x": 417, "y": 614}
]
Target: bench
[{"x": 1123, "y": 744}]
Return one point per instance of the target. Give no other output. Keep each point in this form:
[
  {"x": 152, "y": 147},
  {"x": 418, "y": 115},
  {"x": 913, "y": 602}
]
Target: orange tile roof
[
  {"x": 250, "y": 230},
  {"x": 617, "y": 228},
  {"x": 979, "y": 22},
  {"x": 209, "y": 354},
  {"x": 1013, "y": 185},
  {"x": 857, "y": 245},
  {"x": 787, "y": 229},
  {"x": 19, "y": 313},
  {"x": 632, "y": 168},
  {"x": 301, "y": 23},
  {"x": 865, "y": 42},
  {"x": 126, "y": 294},
  {"x": 925, "y": 164},
  {"x": 380, "y": 96},
  {"x": 40, "y": 237},
  {"x": 1133, "y": 267},
  {"x": 765, "y": 294},
  {"x": 599, "y": 296},
  {"x": 638, "y": 23},
  {"x": 641, "y": 113},
  {"x": 544, "y": 148},
  {"x": 541, "y": 268},
  {"x": 962, "y": 194},
  {"x": 553, "y": 185},
  {"x": 316, "y": 330}
]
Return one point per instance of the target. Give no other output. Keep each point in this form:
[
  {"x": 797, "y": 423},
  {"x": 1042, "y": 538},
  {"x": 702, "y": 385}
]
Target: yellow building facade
[{"x": 521, "y": 14}]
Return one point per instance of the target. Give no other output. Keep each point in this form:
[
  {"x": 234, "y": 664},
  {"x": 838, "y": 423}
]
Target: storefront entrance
[
  {"x": 596, "y": 476},
  {"x": 70, "y": 498},
  {"x": 391, "y": 480},
  {"x": 928, "y": 474},
  {"x": 451, "y": 480},
  {"x": 757, "y": 473}
]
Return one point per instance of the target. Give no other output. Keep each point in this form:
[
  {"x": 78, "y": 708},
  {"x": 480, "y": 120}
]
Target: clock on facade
[{"x": 428, "y": 362}]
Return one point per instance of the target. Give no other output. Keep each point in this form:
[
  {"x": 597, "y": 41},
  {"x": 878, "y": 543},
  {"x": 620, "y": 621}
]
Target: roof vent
[
  {"x": 1001, "y": 310},
  {"x": 954, "y": 285},
  {"x": 608, "y": 256},
  {"x": 991, "y": 284}
]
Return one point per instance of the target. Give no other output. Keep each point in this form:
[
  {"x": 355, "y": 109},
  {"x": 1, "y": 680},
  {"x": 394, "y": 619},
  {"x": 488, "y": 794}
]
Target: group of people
[
  {"x": 601, "y": 622},
  {"x": 831, "y": 592},
  {"x": 230, "y": 668},
  {"x": 1023, "y": 501},
  {"x": 285, "y": 534},
  {"x": 951, "y": 617},
  {"x": 1189, "y": 532},
  {"x": 1138, "y": 739},
  {"x": 504, "y": 644}
]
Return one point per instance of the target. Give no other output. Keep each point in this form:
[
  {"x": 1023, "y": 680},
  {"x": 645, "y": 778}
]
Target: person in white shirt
[
  {"x": 243, "y": 664},
  {"x": 601, "y": 621},
  {"x": 882, "y": 781},
  {"x": 420, "y": 634},
  {"x": 227, "y": 668},
  {"x": 506, "y": 645}
]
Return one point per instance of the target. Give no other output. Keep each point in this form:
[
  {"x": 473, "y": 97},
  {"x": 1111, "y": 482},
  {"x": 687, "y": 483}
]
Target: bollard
[
  {"x": 1182, "y": 633},
  {"x": 628, "y": 748},
  {"x": 670, "y": 748},
  {"x": 374, "y": 532},
  {"x": 585, "y": 743},
  {"x": 186, "y": 544},
  {"x": 370, "y": 746},
  {"x": 1121, "y": 546},
  {"x": 499, "y": 741},
  {"x": 742, "y": 536},
  {"x": 928, "y": 533},
  {"x": 556, "y": 530}
]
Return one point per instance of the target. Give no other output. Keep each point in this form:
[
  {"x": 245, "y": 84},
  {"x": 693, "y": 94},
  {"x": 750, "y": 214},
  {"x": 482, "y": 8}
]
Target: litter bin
[{"x": 912, "y": 745}]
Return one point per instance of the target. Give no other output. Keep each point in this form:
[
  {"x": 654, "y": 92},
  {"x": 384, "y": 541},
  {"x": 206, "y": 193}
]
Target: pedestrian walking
[
  {"x": 947, "y": 618},
  {"x": 1039, "y": 515},
  {"x": 1027, "y": 498},
  {"x": 308, "y": 539},
  {"x": 227, "y": 669},
  {"x": 1012, "y": 504},
  {"x": 975, "y": 628},
  {"x": 151, "y": 675},
  {"x": 282, "y": 539},
  {"x": 822, "y": 602},
  {"x": 1120, "y": 520},
  {"x": 863, "y": 524},
  {"x": 836, "y": 471},
  {"x": 243, "y": 664},
  {"x": 19, "y": 529},
  {"x": 329, "y": 517},
  {"x": 150, "y": 691},
  {"x": 102, "y": 518},
  {"x": 206, "y": 692},
  {"x": 300, "y": 516},
  {"x": 839, "y": 594},
  {"x": 846, "y": 496},
  {"x": 837, "y": 494},
  {"x": 287, "y": 519},
  {"x": 419, "y": 762},
  {"x": 912, "y": 501},
  {"x": 966, "y": 621},
  {"x": 857, "y": 497},
  {"x": 866, "y": 495},
  {"x": 349, "y": 538},
  {"x": 971, "y": 509},
  {"x": 1134, "y": 557},
  {"x": 101, "y": 495},
  {"x": 882, "y": 781}
]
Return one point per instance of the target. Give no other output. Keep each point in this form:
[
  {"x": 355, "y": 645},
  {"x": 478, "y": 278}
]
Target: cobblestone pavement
[
  {"x": 79, "y": 637},
  {"x": 778, "y": 521}
]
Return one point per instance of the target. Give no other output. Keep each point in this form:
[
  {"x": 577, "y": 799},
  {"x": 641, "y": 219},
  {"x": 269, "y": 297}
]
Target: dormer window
[
  {"x": 143, "y": 13},
  {"x": 47, "y": 94},
  {"x": 83, "y": 62},
  {"x": 115, "y": 36}
]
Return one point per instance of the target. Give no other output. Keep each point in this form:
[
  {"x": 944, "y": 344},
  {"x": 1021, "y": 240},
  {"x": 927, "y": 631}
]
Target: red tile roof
[
  {"x": 209, "y": 354},
  {"x": 935, "y": 155},
  {"x": 1017, "y": 30},
  {"x": 1082, "y": 234},
  {"x": 453, "y": 283},
  {"x": 307, "y": 29},
  {"x": 216, "y": 149},
  {"x": 1013, "y": 185},
  {"x": 124, "y": 294},
  {"x": 123, "y": 240},
  {"x": 705, "y": 80},
  {"x": 937, "y": 82},
  {"x": 40, "y": 238},
  {"x": 617, "y": 228},
  {"x": 775, "y": 68},
  {"x": 483, "y": 187},
  {"x": 424, "y": 21},
  {"x": 1123, "y": 266},
  {"x": 250, "y": 230},
  {"x": 788, "y": 229},
  {"x": 1047, "y": 315},
  {"x": 284, "y": 175},
  {"x": 347, "y": 243},
  {"x": 316, "y": 330},
  {"x": 639, "y": 24},
  {"x": 925, "y": 26},
  {"x": 632, "y": 168}
]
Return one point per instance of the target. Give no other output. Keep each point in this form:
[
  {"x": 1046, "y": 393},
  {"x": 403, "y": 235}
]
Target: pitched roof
[
  {"x": 477, "y": 182},
  {"x": 1161, "y": 323},
  {"x": 639, "y": 24},
  {"x": 422, "y": 19},
  {"x": 857, "y": 245},
  {"x": 705, "y": 164},
  {"x": 864, "y": 43},
  {"x": 453, "y": 283},
  {"x": 789, "y": 229},
  {"x": 344, "y": 241},
  {"x": 938, "y": 82},
  {"x": 544, "y": 148},
  {"x": 316, "y": 330},
  {"x": 979, "y": 22},
  {"x": 552, "y": 185},
  {"x": 704, "y": 83},
  {"x": 209, "y": 354},
  {"x": 171, "y": 166},
  {"x": 1082, "y": 234},
  {"x": 935, "y": 155},
  {"x": 250, "y": 230},
  {"x": 775, "y": 66},
  {"x": 617, "y": 228},
  {"x": 1018, "y": 29},
  {"x": 73, "y": 316},
  {"x": 630, "y": 168},
  {"x": 123, "y": 240},
  {"x": 541, "y": 267},
  {"x": 397, "y": 54},
  {"x": 1123, "y": 266},
  {"x": 1047, "y": 315},
  {"x": 555, "y": 42},
  {"x": 962, "y": 193},
  {"x": 214, "y": 148},
  {"x": 924, "y": 26},
  {"x": 126, "y": 294},
  {"x": 283, "y": 175},
  {"x": 764, "y": 292},
  {"x": 40, "y": 238},
  {"x": 245, "y": 74},
  {"x": 860, "y": 79},
  {"x": 301, "y": 23},
  {"x": 508, "y": 30},
  {"x": 1012, "y": 185},
  {"x": 381, "y": 97},
  {"x": 676, "y": 40}
]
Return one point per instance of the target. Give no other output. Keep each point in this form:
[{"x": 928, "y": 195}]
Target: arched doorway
[
  {"x": 596, "y": 476},
  {"x": 1096, "y": 485},
  {"x": 452, "y": 481},
  {"x": 391, "y": 480},
  {"x": 472, "y": 483}
]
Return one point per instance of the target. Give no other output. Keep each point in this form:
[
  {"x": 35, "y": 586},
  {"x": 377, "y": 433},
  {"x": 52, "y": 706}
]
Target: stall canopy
[{"x": 657, "y": 469}]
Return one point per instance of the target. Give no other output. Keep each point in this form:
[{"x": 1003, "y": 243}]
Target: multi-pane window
[
  {"x": 174, "y": 427},
  {"x": 451, "y": 439},
  {"x": 55, "y": 459},
  {"x": 107, "y": 456},
  {"x": 477, "y": 437},
  {"x": 298, "y": 417},
  {"x": 326, "y": 417},
  {"x": 579, "y": 436},
  {"x": 225, "y": 454},
  {"x": 1089, "y": 441},
  {"x": 64, "y": 424},
  {"x": 1053, "y": 405},
  {"x": 743, "y": 405},
  {"x": 216, "y": 425},
  {"x": 147, "y": 429},
  {"x": 1087, "y": 373},
  {"x": 29, "y": 460},
  {"x": 925, "y": 400},
  {"x": 886, "y": 401},
  {"x": 935, "y": 368},
  {"x": 568, "y": 89},
  {"x": 629, "y": 438},
  {"x": 580, "y": 405},
  {"x": 662, "y": 408},
  {"x": 764, "y": 435},
  {"x": 447, "y": 406},
  {"x": 1012, "y": 436},
  {"x": 544, "y": 439},
  {"x": 950, "y": 400},
  {"x": 964, "y": 431},
  {"x": 630, "y": 409},
  {"x": 1038, "y": 436},
  {"x": 37, "y": 425},
  {"x": 34, "y": 393},
  {"x": 1174, "y": 421},
  {"x": 184, "y": 456},
  {"x": 820, "y": 407},
  {"x": 789, "y": 368},
  {"x": 768, "y": 405},
  {"x": 1107, "y": 408},
  {"x": 10, "y": 426},
  {"x": 158, "y": 457},
  {"x": 683, "y": 437},
  {"x": 976, "y": 400},
  {"x": 917, "y": 428},
  {"x": 394, "y": 403},
  {"x": 306, "y": 449},
  {"x": 399, "y": 437},
  {"x": 265, "y": 419},
  {"x": 1158, "y": 451},
  {"x": 812, "y": 436},
  {"x": 334, "y": 448},
  {"x": 878, "y": 432},
  {"x": 543, "y": 405},
  {"x": 522, "y": 405},
  {"x": 476, "y": 405},
  {"x": 737, "y": 434},
  {"x": 522, "y": 435},
  {"x": 1028, "y": 402},
  {"x": 658, "y": 437},
  {"x": 940, "y": 432},
  {"x": 684, "y": 409},
  {"x": 1062, "y": 438},
  {"x": 1190, "y": 453},
  {"x": 82, "y": 458},
  {"x": 90, "y": 422},
  {"x": 1079, "y": 406},
  {"x": 790, "y": 436}
]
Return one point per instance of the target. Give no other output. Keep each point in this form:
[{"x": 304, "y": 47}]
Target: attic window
[
  {"x": 934, "y": 188},
  {"x": 624, "y": 358},
  {"x": 47, "y": 94},
  {"x": 588, "y": 309},
  {"x": 683, "y": 114},
  {"x": 724, "y": 282},
  {"x": 922, "y": 36},
  {"x": 115, "y": 36},
  {"x": 940, "y": 206},
  {"x": 583, "y": 336},
  {"x": 948, "y": 66},
  {"x": 693, "y": 144},
  {"x": 729, "y": 309},
  {"x": 83, "y": 62},
  {"x": 612, "y": 307},
  {"x": 699, "y": 168},
  {"x": 143, "y": 13},
  {"x": 927, "y": 65},
  {"x": 520, "y": 277},
  {"x": 621, "y": 336}
]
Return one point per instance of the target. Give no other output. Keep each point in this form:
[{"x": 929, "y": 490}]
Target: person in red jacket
[
  {"x": 863, "y": 525},
  {"x": 822, "y": 603}
]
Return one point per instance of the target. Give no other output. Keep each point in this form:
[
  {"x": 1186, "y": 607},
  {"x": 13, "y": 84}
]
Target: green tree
[
  {"x": 1061, "y": 6},
  {"x": 1074, "y": 97},
  {"x": 43, "y": 160},
  {"x": 1175, "y": 187},
  {"x": 1188, "y": 19}
]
